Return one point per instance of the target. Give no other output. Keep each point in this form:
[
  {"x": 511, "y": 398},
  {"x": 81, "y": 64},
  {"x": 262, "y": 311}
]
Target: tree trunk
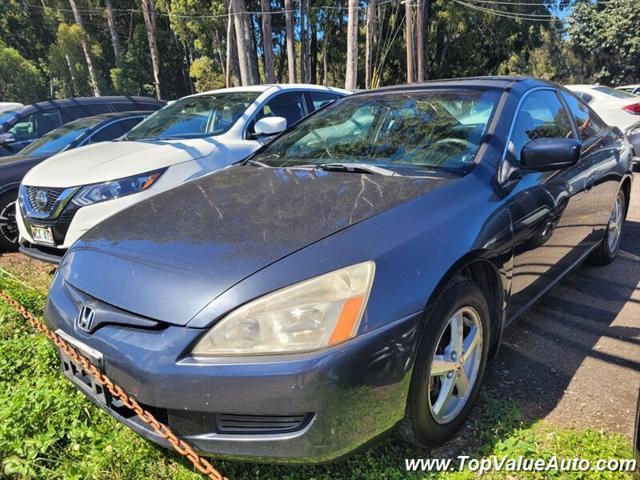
[
  {"x": 267, "y": 41},
  {"x": 313, "y": 51},
  {"x": 420, "y": 37},
  {"x": 369, "y": 39},
  {"x": 304, "y": 13},
  {"x": 325, "y": 54},
  {"x": 85, "y": 48},
  {"x": 149, "y": 14},
  {"x": 232, "y": 55},
  {"x": 113, "y": 30},
  {"x": 246, "y": 51},
  {"x": 291, "y": 49},
  {"x": 351, "y": 77},
  {"x": 409, "y": 39}
]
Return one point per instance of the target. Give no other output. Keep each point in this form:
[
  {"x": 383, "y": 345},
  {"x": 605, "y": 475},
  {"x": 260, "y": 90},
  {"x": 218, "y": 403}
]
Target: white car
[
  {"x": 64, "y": 196},
  {"x": 630, "y": 88},
  {"x": 10, "y": 106},
  {"x": 616, "y": 107}
]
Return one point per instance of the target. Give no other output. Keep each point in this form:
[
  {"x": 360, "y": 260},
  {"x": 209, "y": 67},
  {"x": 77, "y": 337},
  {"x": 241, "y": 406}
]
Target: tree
[
  {"x": 244, "y": 40},
  {"x": 85, "y": 48},
  {"x": 20, "y": 80},
  {"x": 149, "y": 15},
  {"x": 113, "y": 30},
  {"x": 267, "y": 41},
  {"x": 420, "y": 39},
  {"x": 206, "y": 75},
  {"x": 351, "y": 77},
  {"x": 604, "y": 35},
  {"x": 408, "y": 34},
  {"x": 290, "y": 39}
]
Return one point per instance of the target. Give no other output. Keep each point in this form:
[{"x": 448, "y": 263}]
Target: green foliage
[
  {"x": 50, "y": 431},
  {"x": 20, "y": 80},
  {"x": 66, "y": 62},
  {"x": 605, "y": 37},
  {"x": 205, "y": 74}
]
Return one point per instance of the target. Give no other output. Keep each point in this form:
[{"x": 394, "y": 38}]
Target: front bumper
[{"x": 347, "y": 394}]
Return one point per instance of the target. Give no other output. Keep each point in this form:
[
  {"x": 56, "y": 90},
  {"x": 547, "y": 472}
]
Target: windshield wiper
[{"x": 356, "y": 168}]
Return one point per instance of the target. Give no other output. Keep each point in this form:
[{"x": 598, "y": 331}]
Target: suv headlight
[
  {"x": 101, "y": 192},
  {"x": 310, "y": 315}
]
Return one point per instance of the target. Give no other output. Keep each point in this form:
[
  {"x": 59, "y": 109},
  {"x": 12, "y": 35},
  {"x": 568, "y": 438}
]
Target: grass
[{"x": 48, "y": 430}]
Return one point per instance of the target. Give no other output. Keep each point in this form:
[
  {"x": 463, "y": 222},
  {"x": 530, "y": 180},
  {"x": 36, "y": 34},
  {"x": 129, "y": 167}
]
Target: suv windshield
[
  {"x": 190, "y": 117},
  {"x": 60, "y": 138},
  {"x": 409, "y": 131}
]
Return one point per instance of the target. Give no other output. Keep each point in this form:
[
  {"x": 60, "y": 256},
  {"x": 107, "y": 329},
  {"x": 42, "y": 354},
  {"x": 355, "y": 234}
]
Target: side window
[
  {"x": 36, "y": 125},
  {"x": 289, "y": 105},
  {"x": 589, "y": 125},
  {"x": 541, "y": 115},
  {"x": 115, "y": 130},
  {"x": 320, "y": 99}
]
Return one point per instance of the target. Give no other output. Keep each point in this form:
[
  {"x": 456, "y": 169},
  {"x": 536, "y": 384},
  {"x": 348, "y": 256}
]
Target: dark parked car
[
  {"x": 352, "y": 276},
  {"x": 21, "y": 127},
  {"x": 99, "y": 128}
]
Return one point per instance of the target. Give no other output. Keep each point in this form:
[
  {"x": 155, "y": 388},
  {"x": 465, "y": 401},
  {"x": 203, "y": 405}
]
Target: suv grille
[{"x": 36, "y": 198}]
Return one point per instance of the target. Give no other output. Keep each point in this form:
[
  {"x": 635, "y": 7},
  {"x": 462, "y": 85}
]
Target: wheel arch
[
  {"x": 626, "y": 188},
  {"x": 9, "y": 187},
  {"x": 482, "y": 267}
]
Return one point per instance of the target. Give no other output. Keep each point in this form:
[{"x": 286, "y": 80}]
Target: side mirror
[
  {"x": 7, "y": 138},
  {"x": 547, "y": 154},
  {"x": 270, "y": 126}
]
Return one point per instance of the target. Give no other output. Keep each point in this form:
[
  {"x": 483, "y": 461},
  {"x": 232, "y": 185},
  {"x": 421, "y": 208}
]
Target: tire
[
  {"x": 607, "y": 250},
  {"x": 424, "y": 424},
  {"x": 8, "y": 226}
]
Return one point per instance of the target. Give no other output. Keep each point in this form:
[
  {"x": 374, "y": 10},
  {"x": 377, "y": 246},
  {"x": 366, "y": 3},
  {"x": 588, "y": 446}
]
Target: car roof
[
  {"x": 498, "y": 81},
  {"x": 97, "y": 119},
  {"x": 274, "y": 86},
  {"x": 69, "y": 102}
]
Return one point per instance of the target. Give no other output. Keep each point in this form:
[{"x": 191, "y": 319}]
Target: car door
[
  {"x": 600, "y": 151},
  {"x": 550, "y": 210}
]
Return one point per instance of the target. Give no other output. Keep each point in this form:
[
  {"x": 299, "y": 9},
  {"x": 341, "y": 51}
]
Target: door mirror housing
[
  {"x": 268, "y": 126},
  {"x": 547, "y": 154},
  {"x": 6, "y": 138}
]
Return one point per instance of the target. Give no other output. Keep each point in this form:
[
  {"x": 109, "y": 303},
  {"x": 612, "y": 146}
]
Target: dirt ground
[{"x": 573, "y": 360}]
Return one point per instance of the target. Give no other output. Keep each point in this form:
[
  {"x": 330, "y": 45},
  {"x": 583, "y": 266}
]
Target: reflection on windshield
[
  {"x": 194, "y": 117},
  {"x": 56, "y": 140},
  {"x": 5, "y": 117},
  {"x": 433, "y": 129}
]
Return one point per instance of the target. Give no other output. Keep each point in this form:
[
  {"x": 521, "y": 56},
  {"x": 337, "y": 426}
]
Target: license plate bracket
[{"x": 41, "y": 234}]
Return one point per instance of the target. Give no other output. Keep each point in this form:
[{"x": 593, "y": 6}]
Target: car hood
[
  {"x": 169, "y": 256},
  {"x": 112, "y": 160}
]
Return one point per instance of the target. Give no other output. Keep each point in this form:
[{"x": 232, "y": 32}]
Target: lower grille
[{"x": 260, "y": 424}]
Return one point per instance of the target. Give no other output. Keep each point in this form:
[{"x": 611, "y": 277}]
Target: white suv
[{"x": 64, "y": 196}]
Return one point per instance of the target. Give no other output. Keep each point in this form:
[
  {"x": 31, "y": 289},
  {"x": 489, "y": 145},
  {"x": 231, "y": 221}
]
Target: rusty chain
[{"x": 180, "y": 446}]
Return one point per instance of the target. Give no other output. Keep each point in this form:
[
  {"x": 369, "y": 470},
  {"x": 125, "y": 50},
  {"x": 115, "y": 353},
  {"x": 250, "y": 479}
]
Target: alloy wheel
[
  {"x": 455, "y": 365},
  {"x": 615, "y": 225},
  {"x": 8, "y": 227}
]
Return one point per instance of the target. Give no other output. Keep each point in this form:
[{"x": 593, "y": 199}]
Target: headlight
[
  {"x": 309, "y": 315},
  {"x": 101, "y": 192}
]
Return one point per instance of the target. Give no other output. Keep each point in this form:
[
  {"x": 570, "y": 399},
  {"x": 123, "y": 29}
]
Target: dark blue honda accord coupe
[{"x": 351, "y": 277}]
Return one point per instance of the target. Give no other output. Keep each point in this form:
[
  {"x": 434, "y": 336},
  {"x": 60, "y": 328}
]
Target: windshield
[
  {"x": 436, "y": 129},
  {"x": 615, "y": 93},
  {"x": 59, "y": 139},
  {"x": 190, "y": 117},
  {"x": 6, "y": 117}
]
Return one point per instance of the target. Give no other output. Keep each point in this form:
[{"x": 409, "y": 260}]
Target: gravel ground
[{"x": 573, "y": 360}]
